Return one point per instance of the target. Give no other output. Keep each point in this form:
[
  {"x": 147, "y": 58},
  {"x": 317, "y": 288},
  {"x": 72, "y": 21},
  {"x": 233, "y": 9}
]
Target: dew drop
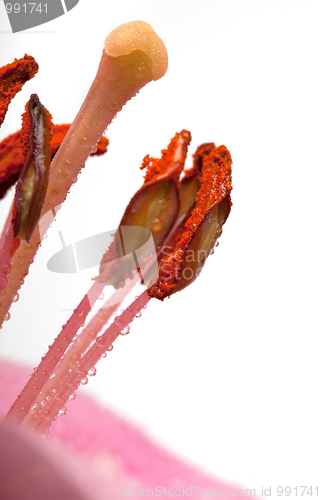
[
  {"x": 138, "y": 315},
  {"x": 7, "y": 269},
  {"x": 110, "y": 347},
  {"x": 217, "y": 243},
  {"x": 3, "y": 283},
  {"x": 78, "y": 368},
  {"x": 7, "y": 316},
  {"x": 53, "y": 375},
  {"x": 99, "y": 342},
  {"x": 91, "y": 372},
  {"x": 144, "y": 307},
  {"x": 125, "y": 331},
  {"x": 104, "y": 355},
  {"x": 75, "y": 338},
  {"x": 45, "y": 434},
  {"x": 33, "y": 406},
  {"x": 62, "y": 411},
  {"x": 101, "y": 297},
  {"x": 84, "y": 381},
  {"x": 157, "y": 225},
  {"x": 72, "y": 396},
  {"x": 212, "y": 251}
]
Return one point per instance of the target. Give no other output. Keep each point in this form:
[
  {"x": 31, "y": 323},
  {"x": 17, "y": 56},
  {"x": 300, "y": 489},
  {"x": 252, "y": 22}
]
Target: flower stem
[
  {"x": 77, "y": 348},
  {"x": 118, "y": 79},
  {"x": 38, "y": 379},
  {"x": 71, "y": 382}
]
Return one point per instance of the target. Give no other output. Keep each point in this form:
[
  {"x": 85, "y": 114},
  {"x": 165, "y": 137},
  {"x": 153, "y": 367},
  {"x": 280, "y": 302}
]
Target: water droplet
[
  {"x": 104, "y": 355},
  {"x": 72, "y": 396},
  {"x": 16, "y": 297},
  {"x": 110, "y": 347},
  {"x": 99, "y": 342},
  {"x": 157, "y": 225},
  {"x": 7, "y": 269},
  {"x": 212, "y": 251},
  {"x": 138, "y": 315},
  {"x": 3, "y": 283},
  {"x": 75, "y": 338},
  {"x": 62, "y": 411},
  {"x": 33, "y": 406},
  {"x": 78, "y": 368},
  {"x": 7, "y": 316},
  {"x": 84, "y": 381},
  {"x": 144, "y": 307},
  {"x": 91, "y": 372},
  {"x": 101, "y": 297},
  {"x": 125, "y": 331},
  {"x": 45, "y": 434},
  {"x": 217, "y": 243},
  {"x": 53, "y": 375}
]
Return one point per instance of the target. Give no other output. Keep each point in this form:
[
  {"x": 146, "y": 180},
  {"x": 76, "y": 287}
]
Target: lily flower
[{"x": 183, "y": 211}]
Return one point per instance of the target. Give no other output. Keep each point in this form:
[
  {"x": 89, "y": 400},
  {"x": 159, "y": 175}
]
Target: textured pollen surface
[{"x": 138, "y": 35}]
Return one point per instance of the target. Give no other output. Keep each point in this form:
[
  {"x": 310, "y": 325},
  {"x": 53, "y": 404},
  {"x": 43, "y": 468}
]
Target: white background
[{"x": 227, "y": 374}]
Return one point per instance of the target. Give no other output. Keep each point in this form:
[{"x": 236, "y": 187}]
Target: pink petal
[{"x": 114, "y": 459}]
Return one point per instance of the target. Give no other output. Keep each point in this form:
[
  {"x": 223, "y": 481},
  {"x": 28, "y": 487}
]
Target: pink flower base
[{"x": 99, "y": 453}]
